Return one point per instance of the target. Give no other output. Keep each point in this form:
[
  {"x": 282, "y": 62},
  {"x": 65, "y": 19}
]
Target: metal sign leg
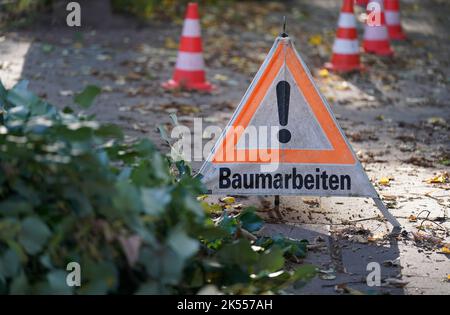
[{"x": 391, "y": 219}]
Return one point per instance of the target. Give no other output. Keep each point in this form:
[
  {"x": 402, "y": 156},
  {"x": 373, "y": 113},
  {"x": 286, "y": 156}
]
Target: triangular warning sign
[{"x": 283, "y": 139}]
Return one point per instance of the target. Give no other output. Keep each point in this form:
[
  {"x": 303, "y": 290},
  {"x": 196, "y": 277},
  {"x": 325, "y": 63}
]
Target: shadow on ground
[{"x": 342, "y": 263}]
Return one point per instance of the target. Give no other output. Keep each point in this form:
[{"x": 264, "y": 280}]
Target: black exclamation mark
[{"x": 283, "y": 94}]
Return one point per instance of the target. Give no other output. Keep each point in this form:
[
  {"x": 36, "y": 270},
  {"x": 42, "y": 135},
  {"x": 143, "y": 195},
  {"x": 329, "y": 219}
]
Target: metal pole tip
[{"x": 283, "y": 33}]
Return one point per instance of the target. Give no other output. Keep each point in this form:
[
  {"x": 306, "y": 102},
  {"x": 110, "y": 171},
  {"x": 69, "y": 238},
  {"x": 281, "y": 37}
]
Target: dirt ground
[{"x": 396, "y": 116}]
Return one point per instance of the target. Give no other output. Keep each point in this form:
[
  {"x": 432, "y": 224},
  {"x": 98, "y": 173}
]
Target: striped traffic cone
[
  {"x": 392, "y": 11},
  {"x": 346, "y": 47},
  {"x": 190, "y": 68},
  {"x": 376, "y": 38}
]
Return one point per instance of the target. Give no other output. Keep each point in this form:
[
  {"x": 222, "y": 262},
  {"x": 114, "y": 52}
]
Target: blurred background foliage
[
  {"x": 15, "y": 13},
  {"x": 161, "y": 8},
  {"x": 23, "y": 6},
  {"x": 19, "y": 11},
  {"x": 12, "y": 10}
]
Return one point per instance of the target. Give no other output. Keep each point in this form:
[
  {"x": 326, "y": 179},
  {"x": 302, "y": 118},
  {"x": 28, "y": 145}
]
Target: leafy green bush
[
  {"x": 151, "y": 8},
  {"x": 23, "y": 6},
  {"x": 72, "y": 190},
  {"x": 20, "y": 12}
]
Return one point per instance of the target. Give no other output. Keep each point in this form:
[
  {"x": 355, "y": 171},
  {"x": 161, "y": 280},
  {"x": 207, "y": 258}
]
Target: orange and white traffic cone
[
  {"x": 346, "y": 47},
  {"x": 392, "y": 12},
  {"x": 190, "y": 68},
  {"x": 376, "y": 37}
]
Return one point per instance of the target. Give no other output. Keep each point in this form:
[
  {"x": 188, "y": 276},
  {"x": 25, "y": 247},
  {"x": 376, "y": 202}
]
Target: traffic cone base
[
  {"x": 344, "y": 63},
  {"x": 185, "y": 84},
  {"x": 378, "y": 47}
]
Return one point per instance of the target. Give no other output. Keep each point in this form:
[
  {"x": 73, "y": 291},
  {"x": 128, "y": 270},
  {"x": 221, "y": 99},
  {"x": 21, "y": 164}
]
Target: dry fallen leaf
[
  {"x": 385, "y": 181},
  {"x": 130, "y": 246},
  {"x": 389, "y": 197},
  {"x": 436, "y": 121},
  {"x": 311, "y": 202},
  {"x": 324, "y": 73},
  {"x": 315, "y": 40},
  {"x": 202, "y": 197},
  {"x": 169, "y": 43},
  {"x": 439, "y": 179},
  {"x": 445, "y": 250},
  {"x": 376, "y": 237},
  {"x": 134, "y": 76},
  {"x": 412, "y": 218},
  {"x": 228, "y": 200},
  {"x": 221, "y": 77},
  {"x": 342, "y": 86},
  {"x": 342, "y": 288},
  {"x": 395, "y": 282}
]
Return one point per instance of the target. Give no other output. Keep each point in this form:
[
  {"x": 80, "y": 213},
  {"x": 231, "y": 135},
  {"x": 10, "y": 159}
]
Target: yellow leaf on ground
[
  {"x": 439, "y": 179},
  {"x": 315, "y": 40},
  {"x": 385, "y": 181},
  {"x": 376, "y": 237},
  {"x": 445, "y": 250},
  {"x": 412, "y": 218},
  {"x": 342, "y": 86},
  {"x": 324, "y": 73},
  {"x": 202, "y": 197},
  {"x": 78, "y": 45},
  {"x": 211, "y": 208},
  {"x": 169, "y": 43},
  {"x": 228, "y": 200}
]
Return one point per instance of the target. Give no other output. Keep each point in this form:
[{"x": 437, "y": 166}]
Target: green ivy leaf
[
  {"x": 303, "y": 274},
  {"x": 154, "y": 200},
  {"x": 238, "y": 253},
  {"x": 87, "y": 96},
  {"x": 162, "y": 264},
  {"x": 57, "y": 282},
  {"x": 2, "y": 90},
  {"x": 101, "y": 278},
  {"x": 9, "y": 264},
  {"x": 109, "y": 131},
  {"x": 15, "y": 207},
  {"x": 19, "y": 95},
  {"x": 33, "y": 235},
  {"x": 149, "y": 288},
  {"x": 271, "y": 260},
  {"x": 228, "y": 223},
  {"x": 182, "y": 244},
  {"x": 250, "y": 221},
  {"x": 19, "y": 285}
]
